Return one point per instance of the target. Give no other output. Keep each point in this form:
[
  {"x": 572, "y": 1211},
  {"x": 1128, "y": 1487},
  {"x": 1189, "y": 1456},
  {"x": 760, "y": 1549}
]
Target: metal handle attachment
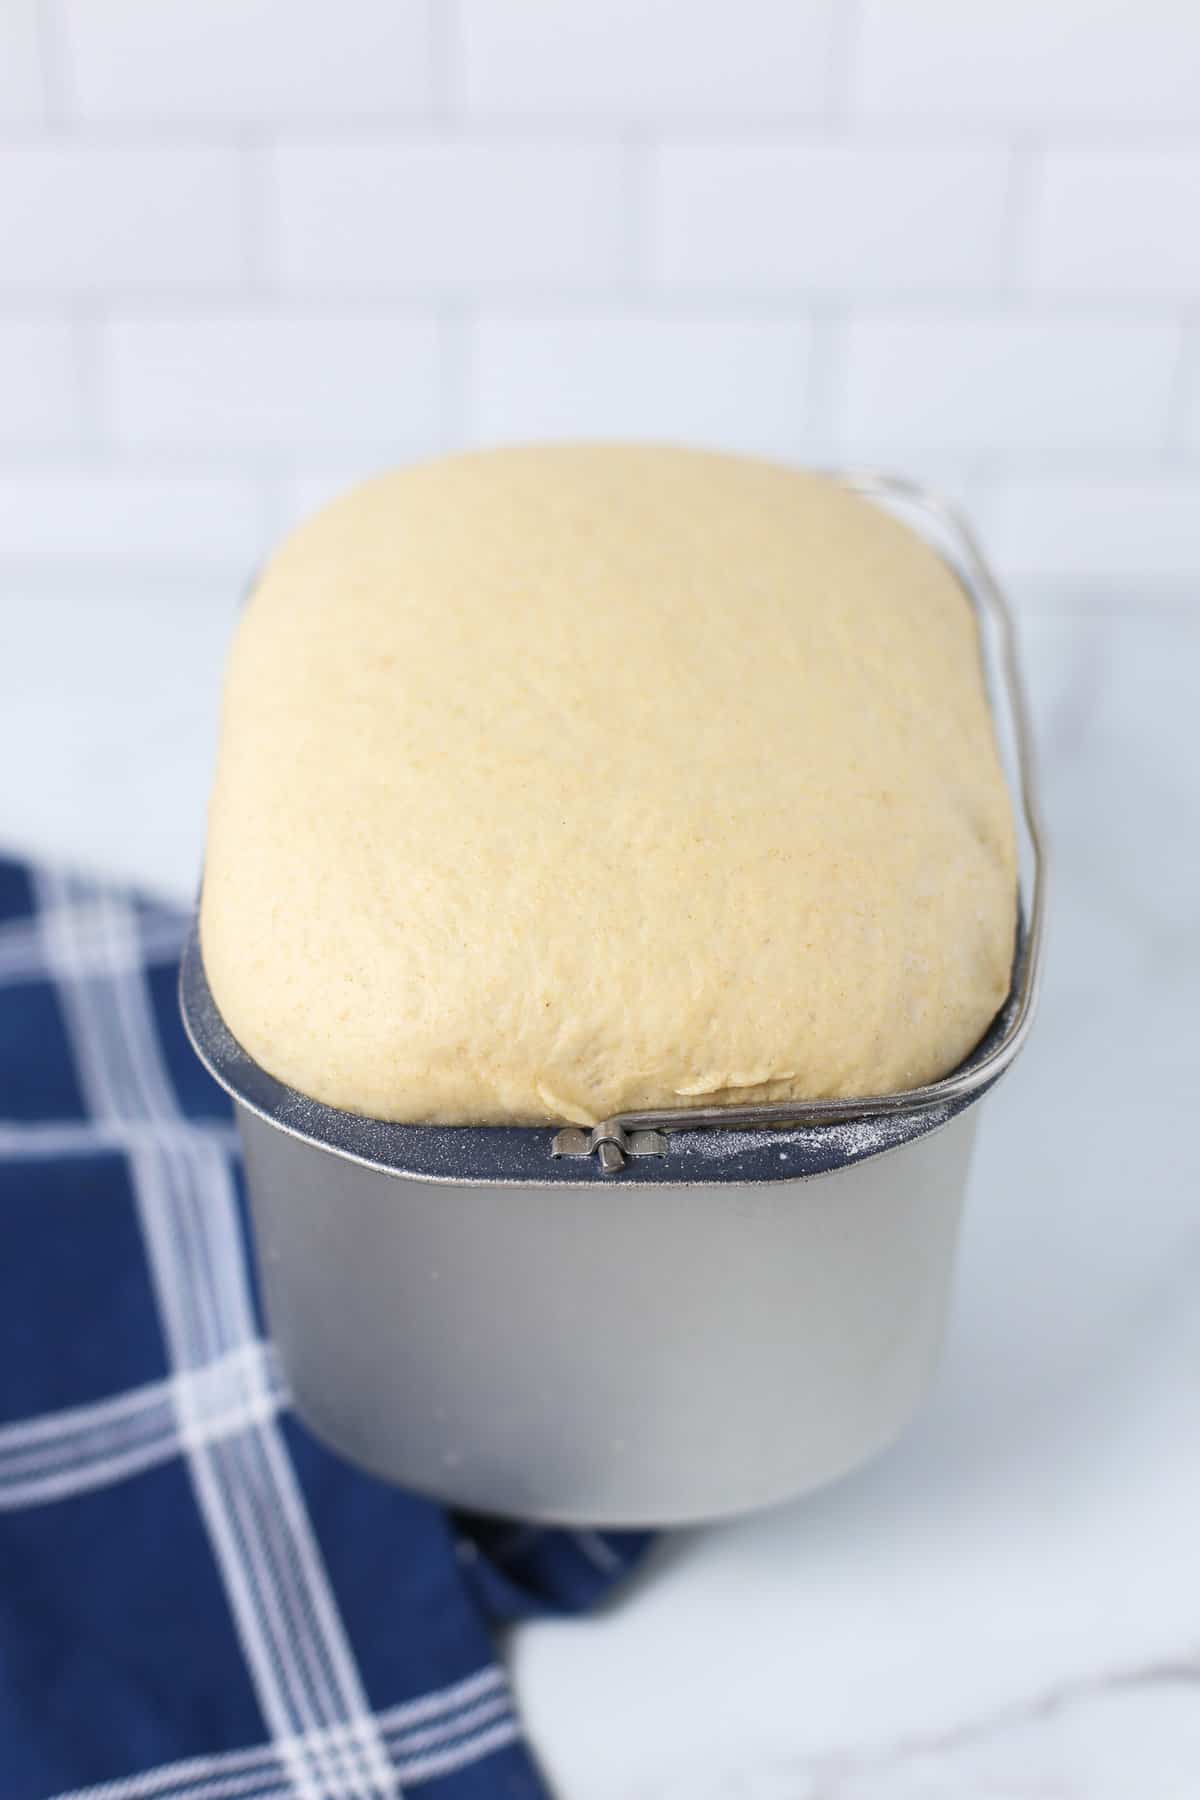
[{"x": 612, "y": 1143}]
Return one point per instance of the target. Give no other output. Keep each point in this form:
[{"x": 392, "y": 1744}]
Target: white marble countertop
[{"x": 1008, "y": 1604}]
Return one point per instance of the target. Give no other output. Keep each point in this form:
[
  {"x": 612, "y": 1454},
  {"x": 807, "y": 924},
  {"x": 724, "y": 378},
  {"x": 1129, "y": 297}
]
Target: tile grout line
[
  {"x": 265, "y": 471},
  {"x": 258, "y": 218},
  {"x": 833, "y": 124},
  {"x": 638, "y": 197},
  {"x": 1027, "y": 157},
  {"x": 444, "y": 61},
  {"x": 172, "y": 461},
  {"x": 845, "y": 31},
  {"x": 52, "y": 63},
  {"x": 182, "y": 303}
]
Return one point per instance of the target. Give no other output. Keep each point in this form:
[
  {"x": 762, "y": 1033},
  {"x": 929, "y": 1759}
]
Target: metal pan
[{"x": 673, "y": 1317}]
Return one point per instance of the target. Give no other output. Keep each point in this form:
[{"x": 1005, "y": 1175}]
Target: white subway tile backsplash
[
  {"x": 90, "y": 217},
  {"x": 250, "y": 249},
  {"x": 733, "y": 382},
  {"x": 1118, "y": 222},
  {"x": 258, "y": 60},
  {"x": 105, "y": 512},
  {"x": 1004, "y": 383},
  {"x": 646, "y": 58},
  {"x": 273, "y": 381},
  {"x": 1047, "y": 61},
  {"x": 1117, "y": 531},
  {"x": 822, "y": 217},
  {"x": 40, "y": 400},
  {"x": 449, "y": 214},
  {"x": 21, "y": 92}
]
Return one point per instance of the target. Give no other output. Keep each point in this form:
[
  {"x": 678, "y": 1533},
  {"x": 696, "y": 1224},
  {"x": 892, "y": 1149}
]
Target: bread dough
[{"x": 559, "y": 782}]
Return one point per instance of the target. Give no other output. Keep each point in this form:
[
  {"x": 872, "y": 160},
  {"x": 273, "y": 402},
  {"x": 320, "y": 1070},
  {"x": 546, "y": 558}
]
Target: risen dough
[{"x": 560, "y": 782}]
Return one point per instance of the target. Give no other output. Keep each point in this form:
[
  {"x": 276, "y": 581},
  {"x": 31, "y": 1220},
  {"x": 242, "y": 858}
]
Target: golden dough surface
[{"x": 559, "y": 782}]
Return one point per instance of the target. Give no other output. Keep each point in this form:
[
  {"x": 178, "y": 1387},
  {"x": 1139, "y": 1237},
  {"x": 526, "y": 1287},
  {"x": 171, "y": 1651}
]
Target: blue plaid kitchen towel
[{"x": 197, "y": 1600}]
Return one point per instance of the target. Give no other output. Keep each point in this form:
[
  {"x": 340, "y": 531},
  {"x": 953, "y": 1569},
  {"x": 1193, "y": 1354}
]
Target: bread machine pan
[{"x": 674, "y": 1317}]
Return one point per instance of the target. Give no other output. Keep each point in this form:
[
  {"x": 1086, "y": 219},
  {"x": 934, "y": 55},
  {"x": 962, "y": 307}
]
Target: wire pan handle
[{"x": 639, "y": 1133}]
